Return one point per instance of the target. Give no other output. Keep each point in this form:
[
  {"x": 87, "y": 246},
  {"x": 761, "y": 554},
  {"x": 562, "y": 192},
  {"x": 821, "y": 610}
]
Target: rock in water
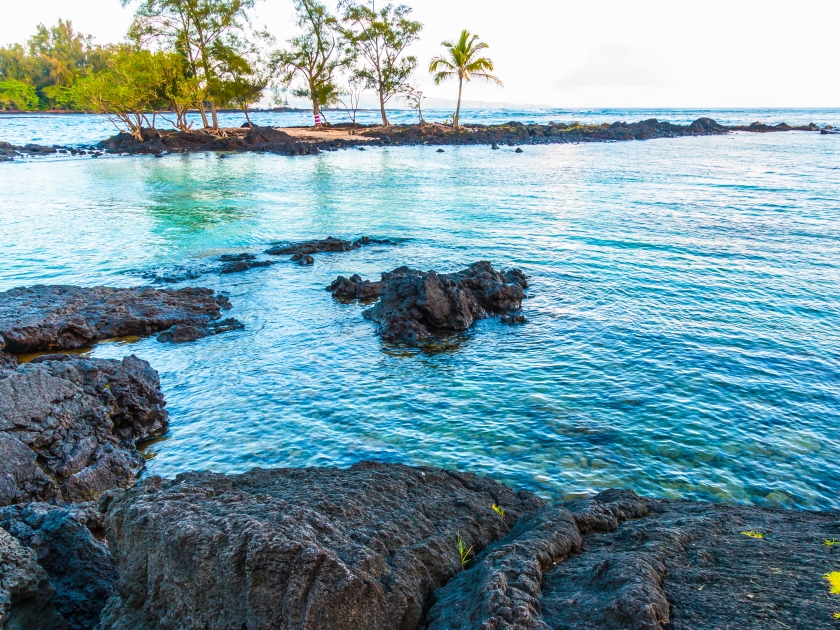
[
  {"x": 330, "y": 244},
  {"x": 68, "y": 428},
  {"x": 354, "y": 288},
  {"x": 77, "y": 564},
  {"x": 43, "y": 318},
  {"x": 26, "y": 595},
  {"x": 317, "y": 548},
  {"x": 415, "y": 305}
]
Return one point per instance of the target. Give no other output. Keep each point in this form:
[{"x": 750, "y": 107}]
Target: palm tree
[{"x": 464, "y": 63}]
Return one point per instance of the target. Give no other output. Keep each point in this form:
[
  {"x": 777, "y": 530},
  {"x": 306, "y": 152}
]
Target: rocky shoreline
[
  {"x": 385, "y": 546},
  {"x": 255, "y": 139}
]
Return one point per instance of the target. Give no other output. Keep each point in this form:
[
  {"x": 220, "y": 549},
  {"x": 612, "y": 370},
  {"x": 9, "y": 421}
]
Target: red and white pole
[{"x": 317, "y": 120}]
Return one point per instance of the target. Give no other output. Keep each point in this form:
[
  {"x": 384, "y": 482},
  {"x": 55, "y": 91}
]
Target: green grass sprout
[
  {"x": 463, "y": 551},
  {"x": 498, "y": 509},
  {"x": 753, "y": 534},
  {"x": 830, "y": 543},
  {"x": 833, "y": 581}
]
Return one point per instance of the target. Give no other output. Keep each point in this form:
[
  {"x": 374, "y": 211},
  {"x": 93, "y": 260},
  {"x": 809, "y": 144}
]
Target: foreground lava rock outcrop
[
  {"x": 77, "y": 564},
  {"x": 374, "y": 547},
  {"x": 354, "y": 288},
  {"x": 26, "y": 595},
  {"x": 43, "y": 318},
  {"x": 415, "y": 305},
  {"x": 297, "y": 548},
  {"x": 69, "y": 426}
]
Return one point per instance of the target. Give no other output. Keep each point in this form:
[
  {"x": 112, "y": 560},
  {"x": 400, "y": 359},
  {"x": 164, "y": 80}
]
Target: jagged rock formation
[
  {"x": 77, "y": 564},
  {"x": 253, "y": 139},
  {"x": 26, "y": 595},
  {"x": 354, "y": 288},
  {"x": 68, "y": 427},
  {"x": 43, "y": 318},
  {"x": 311, "y": 548},
  {"x": 415, "y": 305}
]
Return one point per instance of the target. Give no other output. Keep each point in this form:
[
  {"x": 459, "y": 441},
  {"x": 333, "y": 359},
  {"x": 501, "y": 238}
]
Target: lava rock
[
  {"x": 68, "y": 428},
  {"x": 186, "y": 333},
  {"x": 354, "y": 288},
  {"x": 621, "y": 561},
  {"x": 43, "y": 318},
  {"x": 244, "y": 265},
  {"x": 519, "y": 150},
  {"x": 306, "y": 260},
  {"x": 514, "y": 319},
  {"x": 26, "y": 595},
  {"x": 362, "y": 548},
  {"x": 415, "y": 305},
  {"x": 7, "y": 361},
  {"x": 77, "y": 564},
  {"x": 329, "y": 244}
]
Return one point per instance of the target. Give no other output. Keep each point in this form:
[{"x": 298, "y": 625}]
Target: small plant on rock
[
  {"x": 463, "y": 552},
  {"x": 833, "y": 582},
  {"x": 753, "y": 534},
  {"x": 830, "y": 543},
  {"x": 498, "y": 509}
]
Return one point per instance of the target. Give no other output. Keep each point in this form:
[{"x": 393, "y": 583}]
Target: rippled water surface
[{"x": 683, "y": 336}]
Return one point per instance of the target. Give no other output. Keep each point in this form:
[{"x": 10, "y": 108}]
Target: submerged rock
[
  {"x": 43, "y": 318},
  {"x": 330, "y": 244},
  {"x": 354, "y": 288},
  {"x": 362, "y": 548},
  {"x": 78, "y": 565},
  {"x": 237, "y": 263},
  {"x": 415, "y": 305},
  {"x": 186, "y": 333},
  {"x": 68, "y": 428},
  {"x": 26, "y": 595}
]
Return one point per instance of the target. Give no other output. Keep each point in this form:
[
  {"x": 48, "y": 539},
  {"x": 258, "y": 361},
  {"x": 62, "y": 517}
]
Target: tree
[
  {"x": 414, "y": 99},
  {"x": 128, "y": 90},
  {"x": 208, "y": 33},
  {"x": 379, "y": 40},
  {"x": 18, "y": 95},
  {"x": 52, "y": 61},
  {"x": 352, "y": 96},
  {"x": 464, "y": 63},
  {"x": 312, "y": 55}
]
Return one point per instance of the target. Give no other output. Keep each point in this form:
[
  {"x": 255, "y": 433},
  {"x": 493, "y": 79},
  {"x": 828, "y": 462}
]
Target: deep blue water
[{"x": 684, "y": 322}]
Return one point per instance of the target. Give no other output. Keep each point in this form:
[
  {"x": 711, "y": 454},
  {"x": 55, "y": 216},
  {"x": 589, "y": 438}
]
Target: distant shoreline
[{"x": 311, "y": 140}]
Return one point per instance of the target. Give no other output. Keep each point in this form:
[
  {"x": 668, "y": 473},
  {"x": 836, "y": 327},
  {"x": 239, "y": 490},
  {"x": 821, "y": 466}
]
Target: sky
[{"x": 602, "y": 53}]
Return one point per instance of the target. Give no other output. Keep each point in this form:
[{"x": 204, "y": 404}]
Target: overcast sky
[{"x": 602, "y": 53}]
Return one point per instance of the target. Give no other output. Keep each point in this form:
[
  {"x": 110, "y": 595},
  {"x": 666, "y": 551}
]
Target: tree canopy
[{"x": 378, "y": 40}]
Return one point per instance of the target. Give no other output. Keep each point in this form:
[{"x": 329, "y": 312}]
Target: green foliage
[
  {"x": 831, "y": 543},
  {"x": 137, "y": 83},
  {"x": 833, "y": 582},
  {"x": 16, "y": 94},
  {"x": 211, "y": 36},
  {"x": 463, "y": 63},
  {"x": 753, "y": 534},
  {"x": 378, "y": 40},
  {"x": 498, "y": 510},
  {"x": 52, "y": 61},
  {"x": 312, "y": 55},
  {"x": 463, "y": 552}
]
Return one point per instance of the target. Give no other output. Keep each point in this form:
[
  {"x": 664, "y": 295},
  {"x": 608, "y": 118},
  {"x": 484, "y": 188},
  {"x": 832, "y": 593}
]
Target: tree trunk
[
  {"x": 247, "y": 117},
  {"x": 215, "y": 115},
  {"x": 203, "y": 115},
  {"x": 316, "y": 111},
  {"x": 458, "y": 108},
  {"x": 382, "y": 109}
]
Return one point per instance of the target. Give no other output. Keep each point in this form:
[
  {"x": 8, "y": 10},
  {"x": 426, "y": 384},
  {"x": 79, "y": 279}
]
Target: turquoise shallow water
[{"x": 684, "y": 322}]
